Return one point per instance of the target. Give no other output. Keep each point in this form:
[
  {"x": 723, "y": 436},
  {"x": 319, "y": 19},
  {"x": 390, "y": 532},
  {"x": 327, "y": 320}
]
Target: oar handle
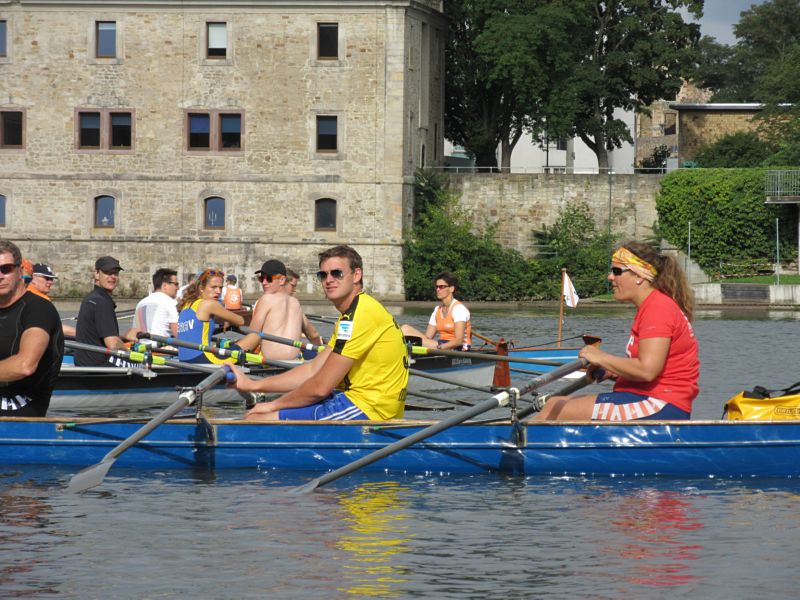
[{"x": 282, "y": 340}]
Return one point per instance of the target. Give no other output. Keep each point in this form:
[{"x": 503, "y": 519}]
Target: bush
[
  {"x": 735, "y": 150},
  {"x": 730, "y": 221}
]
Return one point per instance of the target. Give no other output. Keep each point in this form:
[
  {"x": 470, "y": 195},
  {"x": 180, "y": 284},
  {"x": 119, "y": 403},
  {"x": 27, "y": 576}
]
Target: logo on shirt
[{"x": 345, "y": 330}]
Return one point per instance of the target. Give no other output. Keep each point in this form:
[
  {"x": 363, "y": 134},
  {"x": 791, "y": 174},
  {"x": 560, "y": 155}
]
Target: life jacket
[
  {"x": 446, "y": 327},
  {"x": 233, "y": 298}
]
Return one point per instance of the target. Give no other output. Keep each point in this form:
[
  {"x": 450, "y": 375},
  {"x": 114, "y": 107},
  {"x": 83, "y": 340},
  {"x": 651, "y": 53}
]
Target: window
[
  {"x": 3, "y": 38},
  {"x": 217, "y": 36},
  {"x": 214, "y": 130},
  {"x": 326, "y": 134},
  {"x": 106, "y": 39},
  {"x": 11, "y": 129},
  {"x": 105, "y": 129},
  {"x": 325, "y": 214},
  {"x": 2, "y": 211},
  {"x": 214, "y": 213},
  {"x": 561, "y": 143},
  {"x": 104, "y": 211},
  {"x": 327, "y": 41}
]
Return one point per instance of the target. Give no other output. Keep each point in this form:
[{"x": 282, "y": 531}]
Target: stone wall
[
  {"x": 520, "y": 204},
  {"x": 698, "y": 128}
]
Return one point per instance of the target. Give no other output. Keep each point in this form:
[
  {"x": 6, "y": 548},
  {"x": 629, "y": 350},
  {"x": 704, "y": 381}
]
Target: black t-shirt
[
  {"x": 27, "y": 312},
  {"x": 96, "y": 321}
]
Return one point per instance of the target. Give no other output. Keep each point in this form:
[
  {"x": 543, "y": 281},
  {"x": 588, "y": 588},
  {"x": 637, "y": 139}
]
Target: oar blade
[
  {"x": 89, "y": 477},
  {"x": 306, "y": 488}
]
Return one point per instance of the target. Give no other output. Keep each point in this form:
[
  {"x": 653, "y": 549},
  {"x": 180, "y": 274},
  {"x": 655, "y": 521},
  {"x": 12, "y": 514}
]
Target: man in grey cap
[
  {"x": 277, "y": 312},
  {"x": 97, "y": 319}
]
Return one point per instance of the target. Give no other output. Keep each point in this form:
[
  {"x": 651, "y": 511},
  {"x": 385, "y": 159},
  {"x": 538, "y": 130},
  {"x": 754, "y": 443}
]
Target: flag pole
[{"x": 561, "y": 304}]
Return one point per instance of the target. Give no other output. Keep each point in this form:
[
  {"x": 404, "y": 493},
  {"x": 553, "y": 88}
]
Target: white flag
[{"x": 570, "y": 295}]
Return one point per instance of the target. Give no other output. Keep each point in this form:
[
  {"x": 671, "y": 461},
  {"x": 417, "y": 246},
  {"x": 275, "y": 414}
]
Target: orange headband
[{"x": 641, "y": 267}]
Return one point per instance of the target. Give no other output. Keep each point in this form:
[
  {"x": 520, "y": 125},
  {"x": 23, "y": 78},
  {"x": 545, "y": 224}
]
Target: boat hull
[{"x": 680, "y": 449}]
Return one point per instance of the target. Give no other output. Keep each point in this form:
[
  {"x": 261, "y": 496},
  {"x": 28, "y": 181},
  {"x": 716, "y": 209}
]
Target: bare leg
[
  {"x": 261, "y": 412},
  {"x": 567, "y": 408}
]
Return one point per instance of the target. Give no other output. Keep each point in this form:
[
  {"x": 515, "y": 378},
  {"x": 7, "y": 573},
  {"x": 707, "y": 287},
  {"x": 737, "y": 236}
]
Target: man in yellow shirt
[{"x": 363, "y": 371}]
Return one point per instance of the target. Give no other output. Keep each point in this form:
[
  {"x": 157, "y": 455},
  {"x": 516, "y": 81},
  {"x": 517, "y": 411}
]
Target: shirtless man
[
  {"x": 309, "y": 330},
  {"x": 277, "y": 312}
]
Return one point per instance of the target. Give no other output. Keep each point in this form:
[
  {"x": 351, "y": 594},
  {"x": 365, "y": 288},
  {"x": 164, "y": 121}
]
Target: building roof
[{"x": 730, "y": 106}]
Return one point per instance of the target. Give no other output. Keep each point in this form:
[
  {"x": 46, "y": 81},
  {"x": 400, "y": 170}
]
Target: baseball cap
[
  {"x": 107, "y": 263},
  {"x": 272, "y": 267},
  {"x": 44, "y": 271},
  {"x": 231, "y": 278}
]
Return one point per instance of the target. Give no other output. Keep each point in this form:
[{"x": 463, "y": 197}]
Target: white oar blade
[{"x": 89, "y": 477}]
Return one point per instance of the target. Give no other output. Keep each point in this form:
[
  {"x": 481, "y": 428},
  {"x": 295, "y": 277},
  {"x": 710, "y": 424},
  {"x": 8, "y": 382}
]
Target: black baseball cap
[
  {"x": 107, "y": 263},
  {"x": 44, "y": 271},
  {"x": 272, "y": 267}
]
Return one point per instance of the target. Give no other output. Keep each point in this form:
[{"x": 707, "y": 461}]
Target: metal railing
[{"x": 782, "y": 183}]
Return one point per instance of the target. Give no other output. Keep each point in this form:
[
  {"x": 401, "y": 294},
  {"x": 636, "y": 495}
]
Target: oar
[
  {"x": 572, "y": 386},
  {"x": 422, "y": 350},
  {"x": 282, "y": 340},
  {"x": 441, "y": 379},
  {"x": 93, "y": 476},
  {"x": 215, "y": 350},
  {"x": 322, "y": 319},
  {"x": 500, "y": 399}
]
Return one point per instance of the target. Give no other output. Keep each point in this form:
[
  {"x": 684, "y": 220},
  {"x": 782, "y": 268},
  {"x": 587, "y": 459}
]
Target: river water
[{"x": 237, "y": 534}]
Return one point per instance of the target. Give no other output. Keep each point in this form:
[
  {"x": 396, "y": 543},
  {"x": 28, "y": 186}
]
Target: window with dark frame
[
  {"x": 199, "y": 131},
  {"x": 325, "y": 214},
  {"x": 121, "y": 127},
  {"x": 104, "y": 130},
  {"x": 104, "y": 211},
  {"x": 326, "y": 133},
  {"x": 106, "y": 39},
  {"x": 217, "y": 36},
  {"x": 89, "y": 130},
  {"x": 327, "y": 41},
  {"x": 3, "y": 38},
  {"x": 2, "y": 211},
  {"x": 213, "y": 130},
  {"x": 11, "y": 129},
  {"x": 230, "y": 131},
  {"x": 214, "y": 213}
]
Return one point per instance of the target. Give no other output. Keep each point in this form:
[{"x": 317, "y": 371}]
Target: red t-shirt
[{"x": 660, "y": 317}]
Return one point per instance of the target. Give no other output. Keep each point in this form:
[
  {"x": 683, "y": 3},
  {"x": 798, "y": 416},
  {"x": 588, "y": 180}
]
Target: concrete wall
[
  {"x": 520, "y": 204},
  {"x": 390, "y": 54}
]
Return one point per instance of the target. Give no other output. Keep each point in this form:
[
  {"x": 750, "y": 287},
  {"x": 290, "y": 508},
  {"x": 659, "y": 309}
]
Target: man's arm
[
  {"x": 24, "y": 363},
  {"x": 284, "y": 382},
  {"x": 311, "y": 332},
  {"x": 318, "y": 386}
]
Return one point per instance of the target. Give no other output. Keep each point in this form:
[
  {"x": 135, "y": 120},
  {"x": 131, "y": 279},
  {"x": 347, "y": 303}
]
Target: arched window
[
  {"x": 2, "y": 211},
  {"x": 104, "y": 211},
  {"x": 214, "y": 213},
  {"x": 325, "y": 214}
]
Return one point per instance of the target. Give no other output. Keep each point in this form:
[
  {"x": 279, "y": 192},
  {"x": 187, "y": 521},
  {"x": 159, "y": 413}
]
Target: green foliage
[
  {"x": 657, "y": 160},
  {"x": 741, "y": 149},
  {"x": 730, "y": 222},
  {"x": 577, "y": 246}
]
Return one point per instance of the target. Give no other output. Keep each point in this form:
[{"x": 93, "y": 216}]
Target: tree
[
  {"x": 741, "y": 149},
  {"x": 639, "y": 52},
  {"x": 508, "y": 65}
]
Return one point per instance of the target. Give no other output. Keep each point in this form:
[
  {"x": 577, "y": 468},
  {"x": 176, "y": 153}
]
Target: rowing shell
[{"x": 731, "y": 449}]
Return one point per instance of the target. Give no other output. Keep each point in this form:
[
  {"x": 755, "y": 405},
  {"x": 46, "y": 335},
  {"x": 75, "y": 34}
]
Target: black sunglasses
[
  {"x": 269, "y": 278},
  {"x": 617, "y": 271},
  {"x": 335, "y": 273},
  {"x": 8, "y": 268}
]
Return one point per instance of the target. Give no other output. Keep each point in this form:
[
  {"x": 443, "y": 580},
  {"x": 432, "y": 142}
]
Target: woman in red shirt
[{"x": 657, "y": 379}]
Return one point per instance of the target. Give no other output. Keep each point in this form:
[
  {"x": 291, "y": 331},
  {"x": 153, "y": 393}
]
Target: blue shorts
[
  {"x": 627, "y": 406},
  {"x": 336, "y": 407}
]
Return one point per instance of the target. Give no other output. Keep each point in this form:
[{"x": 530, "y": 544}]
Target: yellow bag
[{"x": 759, "y": 406}]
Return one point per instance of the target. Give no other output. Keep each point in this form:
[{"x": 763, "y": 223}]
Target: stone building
[{"x": 194, "y": 134}]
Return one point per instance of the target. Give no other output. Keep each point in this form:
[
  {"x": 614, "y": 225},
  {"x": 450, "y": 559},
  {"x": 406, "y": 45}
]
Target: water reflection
[{"x": 376, "y": 515}]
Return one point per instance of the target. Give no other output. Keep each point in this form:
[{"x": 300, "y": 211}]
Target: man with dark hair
[
  {"x": 97, "y": 317},
  {"x": 361, "y": 374},
  {"x": 31, "y": 342},
  {"x": 158, "y": 313}
]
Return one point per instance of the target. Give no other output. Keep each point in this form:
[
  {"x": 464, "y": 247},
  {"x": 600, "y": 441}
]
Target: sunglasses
[
  {"x": 335, "y": 273},
  {"x": 8, "y": 268},
  {"x": 441, "y": 287},
  {"x": 617, "y": 271},
  {"x": 269, "y": 278},
  {"x": 211, "y": 273}
]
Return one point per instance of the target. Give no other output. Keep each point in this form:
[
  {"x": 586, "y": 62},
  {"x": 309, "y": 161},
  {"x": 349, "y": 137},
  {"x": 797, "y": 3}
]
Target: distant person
[
  {"x": 199, "y": 314},
  {"x": 158, "y": 312},
  {"x": 449, "y": 327},
  {"x": 31, "y": 342},
  {"x": 97, "y": 318},
  {"x": 361, "y": 374},
  {"x": 231, "y": 294},
  {"x": 277, "y": 312},
  {"x": 308, "y": 329},
  {"x": 190, "y": 279},
  {"x": 27, "y": 271},
  {"x": 657, "y": 379},
  {"x": 42, "y": 282}
]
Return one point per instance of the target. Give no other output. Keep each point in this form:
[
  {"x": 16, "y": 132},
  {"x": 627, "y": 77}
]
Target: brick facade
[{"x": 385, "y": 89}]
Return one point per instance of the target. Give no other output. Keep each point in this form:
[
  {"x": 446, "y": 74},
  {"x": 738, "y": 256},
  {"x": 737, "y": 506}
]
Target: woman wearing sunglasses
[
  {"x": 199, "y": 312},
  {"x": 449, "y": 327},
  {"x": 657, "y": 379}
]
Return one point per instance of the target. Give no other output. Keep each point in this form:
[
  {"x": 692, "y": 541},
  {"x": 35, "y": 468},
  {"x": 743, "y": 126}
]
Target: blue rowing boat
[{"x": 730, "y": 449}]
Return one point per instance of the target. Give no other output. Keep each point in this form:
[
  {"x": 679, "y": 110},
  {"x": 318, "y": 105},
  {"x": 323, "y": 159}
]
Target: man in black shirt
[
  {"x": 31, "y": 342},
  {"x": 97, "y": 319}
]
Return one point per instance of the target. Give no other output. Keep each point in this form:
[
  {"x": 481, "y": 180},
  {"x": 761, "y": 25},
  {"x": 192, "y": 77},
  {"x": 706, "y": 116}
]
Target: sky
[{"x": 719, "y": 17}]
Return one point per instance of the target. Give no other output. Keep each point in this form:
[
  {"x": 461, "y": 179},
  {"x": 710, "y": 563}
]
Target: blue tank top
[{"x": 192, "y": 329}]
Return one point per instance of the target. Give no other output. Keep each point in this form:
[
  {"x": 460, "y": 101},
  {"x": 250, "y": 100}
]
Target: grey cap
[{"x": 107, "y": 263}]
